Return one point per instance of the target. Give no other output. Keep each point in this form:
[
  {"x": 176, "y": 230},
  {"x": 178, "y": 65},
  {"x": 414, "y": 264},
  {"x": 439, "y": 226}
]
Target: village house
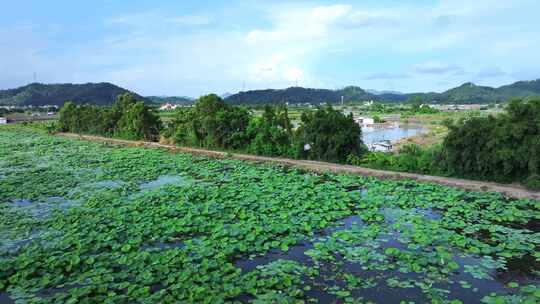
[
  {"x": 168, "y": 106},
  {"x": 381, "y": 146},
  {"x": 364, "y": 121},
  {"x": 3, "y": 120}
]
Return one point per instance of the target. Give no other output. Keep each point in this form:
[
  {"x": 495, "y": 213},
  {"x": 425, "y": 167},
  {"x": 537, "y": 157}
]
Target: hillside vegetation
[
  {"x": 180, "y": 100},
  {"x": 38, "y": 94},
  {"x": 467, "y": 93},
  {"x": 296, "y": 95}
]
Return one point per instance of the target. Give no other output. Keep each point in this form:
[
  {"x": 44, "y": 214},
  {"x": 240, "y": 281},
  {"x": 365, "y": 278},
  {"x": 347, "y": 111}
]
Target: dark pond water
[
  {"x": 5, "y": 299},
  {"x": 460, "y": 284}
]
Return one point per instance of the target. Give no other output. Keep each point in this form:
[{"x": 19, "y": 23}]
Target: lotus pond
[{"x": 84, "y": 222}]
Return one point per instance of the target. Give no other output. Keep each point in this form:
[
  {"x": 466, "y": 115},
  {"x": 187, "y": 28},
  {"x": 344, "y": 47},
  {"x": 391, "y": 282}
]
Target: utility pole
[
  {"x": 35, "y": 77},
  {"x": 341, "y": 100}
]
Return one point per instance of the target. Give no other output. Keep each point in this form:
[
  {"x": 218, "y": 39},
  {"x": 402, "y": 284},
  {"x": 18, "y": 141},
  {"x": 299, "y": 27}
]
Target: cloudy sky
[{"x": 195, "y": 47}]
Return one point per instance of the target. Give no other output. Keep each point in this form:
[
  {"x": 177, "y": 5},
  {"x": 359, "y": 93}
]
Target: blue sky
[{"x": 196, "y": 47}]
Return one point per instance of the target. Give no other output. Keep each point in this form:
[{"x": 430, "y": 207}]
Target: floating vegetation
[
  {"x": 167, "y": 180},
  {"x": 103, "y": 223}
]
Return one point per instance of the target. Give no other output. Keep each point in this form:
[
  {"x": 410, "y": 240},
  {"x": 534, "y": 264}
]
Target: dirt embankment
[{"x": 317, "y": 166}]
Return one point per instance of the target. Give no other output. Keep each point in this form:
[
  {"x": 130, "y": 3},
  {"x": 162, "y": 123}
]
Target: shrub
[
  {"x": 533, "y": 182},
  {"x": 127, "y": 118},
  {"x": 505, "y": 148},
  {"x": 330, "y": 134},
  {"x": 411, "y": 158}
]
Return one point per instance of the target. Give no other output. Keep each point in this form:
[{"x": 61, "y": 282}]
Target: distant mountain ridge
[
  {"x": 467, "y": 93},
  {"x": 377, "y": 92},
  {"x": 297, "y": 95},
  {"x": 180, "y": 100},
  {"x": 38, "y": 94}
]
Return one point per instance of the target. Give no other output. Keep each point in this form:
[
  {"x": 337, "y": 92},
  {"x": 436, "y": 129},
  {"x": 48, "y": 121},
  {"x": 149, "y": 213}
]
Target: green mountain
[
  {"x": 467, "y": 93},
  {"x": 180, "y": 100},
  {"x": 521, "y": 89},
  {"x": 37, "y": 94},
  {"x": 471, "y": 93},
  {"x": 297, "y": 95}
]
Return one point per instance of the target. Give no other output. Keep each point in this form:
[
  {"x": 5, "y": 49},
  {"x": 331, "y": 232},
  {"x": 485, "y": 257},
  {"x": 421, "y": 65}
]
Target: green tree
[
  {"x": 127, "y": 118},
  {"x": 271, "y": 134},
  {"x": 67, "y": 120},
  {"x": 210, "y": 123},
  {"x": 504, "y": 148},
  {"x": 327, "y": 134},
  {"x": 181, "y": 129},
  {"x": 138, "y": 122},
  {"x": 206, "y": 119}
]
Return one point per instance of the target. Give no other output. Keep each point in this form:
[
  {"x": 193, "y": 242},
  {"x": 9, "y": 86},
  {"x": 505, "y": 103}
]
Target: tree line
[
  {"x": 323, "y": 134},
  {"x": 502, "y": 148},
  {"x": 127, "y": 118}
]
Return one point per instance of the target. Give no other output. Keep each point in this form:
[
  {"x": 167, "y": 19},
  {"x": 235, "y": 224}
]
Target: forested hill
[
  {"x": 295, "y": 95},
  {"x": 467, "y": 93},
  {"x": 37, "y": 94},
  {"x": 180, "y": 100}
]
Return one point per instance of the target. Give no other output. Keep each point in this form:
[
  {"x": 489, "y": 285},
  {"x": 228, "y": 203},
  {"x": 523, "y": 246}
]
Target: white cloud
[
  {"x": 435, "y": 67},
  {"x": 371, "y": 45},
  {"x": 292, "y": 73},
  {"x": 293, "y": 26},
  {"x": 283, "y": 49}
]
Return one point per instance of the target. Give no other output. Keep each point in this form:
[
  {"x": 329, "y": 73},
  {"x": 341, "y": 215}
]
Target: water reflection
[
  {"x": 370, "y": 136},
  {"x": 366, "y": 260}
]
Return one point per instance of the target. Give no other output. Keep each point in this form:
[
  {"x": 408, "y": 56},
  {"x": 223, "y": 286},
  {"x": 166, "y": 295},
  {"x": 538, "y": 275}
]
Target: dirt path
[{"x": 513, "y": 191}]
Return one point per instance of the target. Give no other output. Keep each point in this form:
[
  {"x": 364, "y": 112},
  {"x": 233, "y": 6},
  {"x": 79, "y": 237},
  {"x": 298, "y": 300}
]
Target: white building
[
  {"x": 168, "y": 106},
  {"x": 381, "y": 146},
  {"x": 3, "y": 120},
  {"x": 364, "y": 121}
]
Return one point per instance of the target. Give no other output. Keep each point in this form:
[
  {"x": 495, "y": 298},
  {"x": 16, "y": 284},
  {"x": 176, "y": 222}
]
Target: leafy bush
[
  {"x": 211, "y": 123},
  {"x": 127, "y": 118},
  {"x": 378, "y": 119},
  {"x": 504, "y": 148},
  {"x": 272, "y": 133},
  {"x": 330, "y": 136},
  {"x": 533, "y": 181},
  {"x": 411, "y": 158}
]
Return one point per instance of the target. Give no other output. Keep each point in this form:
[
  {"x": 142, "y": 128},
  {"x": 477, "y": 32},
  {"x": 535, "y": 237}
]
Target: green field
[{"x": 84, "y": 222}]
